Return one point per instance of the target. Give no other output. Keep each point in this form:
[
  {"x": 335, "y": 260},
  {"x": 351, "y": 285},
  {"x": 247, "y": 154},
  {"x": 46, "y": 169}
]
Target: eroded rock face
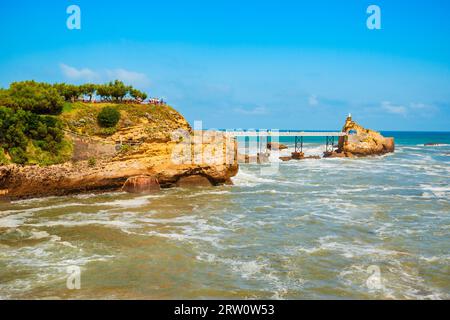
[
  {"x": 361, "y": 142},
  {"x": 298, "y": 155},
  {"x": 149, "y": 154}
]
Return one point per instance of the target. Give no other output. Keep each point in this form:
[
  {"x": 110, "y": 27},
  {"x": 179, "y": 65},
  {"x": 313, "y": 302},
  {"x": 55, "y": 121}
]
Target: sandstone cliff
[
  {"x": 361, "y": 142},
  {"x": 154, "y": 146}
]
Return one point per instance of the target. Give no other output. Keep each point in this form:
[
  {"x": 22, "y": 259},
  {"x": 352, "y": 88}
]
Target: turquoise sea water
[{"x": 369, "y": 228}]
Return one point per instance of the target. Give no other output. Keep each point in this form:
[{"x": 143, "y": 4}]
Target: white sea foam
[
  {"x": 437, "y": 191},
  {"x": 13, "y": 220},
  {"x": 247, "y": 179}
]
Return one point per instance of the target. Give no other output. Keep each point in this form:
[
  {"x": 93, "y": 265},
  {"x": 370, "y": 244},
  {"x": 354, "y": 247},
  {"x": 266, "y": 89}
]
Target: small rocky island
[
  {"x": 361, "y": 142},
  {"x": 356, "y": 142}
]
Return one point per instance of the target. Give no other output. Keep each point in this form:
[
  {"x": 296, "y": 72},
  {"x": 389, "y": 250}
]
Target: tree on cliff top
[
  {"x": 37, "y": 97},
  {"x": 43, "y": 98},
  {"x": 88, "y": 89},
  {"x": 70, "y": 92},
  {"x": 113, "y": 90},
  {"x": 5, "y": 99},
  {"x": 118, "y": 90},
  {"x": 138, "y": 95}
]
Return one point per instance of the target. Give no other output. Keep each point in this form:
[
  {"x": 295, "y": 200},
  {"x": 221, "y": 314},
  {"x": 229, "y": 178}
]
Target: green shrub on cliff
[
  {"x": 5, "y": 99},
  {"x": 3, "y": 159},
  {"x": 37, "y": 155},
  {"x": 33, "y": 96},
  {"x": 18, "y": 155},
  {"x": 25, "y": 136},
  {"x": 108, "y": 117},
  {"x": 92, "y": 162}
]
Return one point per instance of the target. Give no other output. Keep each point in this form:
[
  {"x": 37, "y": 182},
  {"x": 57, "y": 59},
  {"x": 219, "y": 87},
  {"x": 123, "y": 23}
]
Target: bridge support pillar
[
  {"x": 329, "y": 144},
  {"x": 298, "y": 140}
]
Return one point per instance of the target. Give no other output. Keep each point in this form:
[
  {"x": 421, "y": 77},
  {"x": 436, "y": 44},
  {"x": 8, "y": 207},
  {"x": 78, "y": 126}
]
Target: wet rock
[
  {"x": 334, "y": 154},
  {"x": 430, "y": 144},
  {"x": 298, "y": 155},
  {"x": 141, "y": 184},
  {"x": 149, "y": 158},
  {"x": 361, "y": 142},
  {"x": 276, "y": 146},
  {"x": 193, "y": 181}
]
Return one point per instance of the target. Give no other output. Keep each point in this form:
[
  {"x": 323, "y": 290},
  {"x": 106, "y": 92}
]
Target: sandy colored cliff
[{"x": 153, "y": 144}]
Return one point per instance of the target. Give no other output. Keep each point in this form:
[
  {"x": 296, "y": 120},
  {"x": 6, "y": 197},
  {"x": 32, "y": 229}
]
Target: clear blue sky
[{"x": 247, "y": 64}]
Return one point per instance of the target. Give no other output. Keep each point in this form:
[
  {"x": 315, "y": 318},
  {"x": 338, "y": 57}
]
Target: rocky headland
[{"x": 152, "y": 147}]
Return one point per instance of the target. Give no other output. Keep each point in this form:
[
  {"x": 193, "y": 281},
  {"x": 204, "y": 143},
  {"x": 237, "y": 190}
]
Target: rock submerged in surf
[
  {"x": 193, "y": 181},
  {"x": 141, "y": 184},
  {"x": 276, "y": 146}
]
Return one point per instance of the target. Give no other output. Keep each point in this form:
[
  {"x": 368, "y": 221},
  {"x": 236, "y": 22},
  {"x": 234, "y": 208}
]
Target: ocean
[{"x": 368, "y": 228}]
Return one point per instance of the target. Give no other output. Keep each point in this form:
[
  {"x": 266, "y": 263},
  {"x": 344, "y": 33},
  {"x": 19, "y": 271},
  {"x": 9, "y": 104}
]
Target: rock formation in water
[
  {"x": 148, "y": 151},
  {"x": 361, "y": 142},
  {"x": 432, "y": 144},
  {"x": 298, "y": 156}
]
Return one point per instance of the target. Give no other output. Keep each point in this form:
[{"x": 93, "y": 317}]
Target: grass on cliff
[
  {"x": 3, "y": 158},
  {"x": 45, "y": 158},
  {"x": 28, "y": 138},
  {"x": 37, "y": 156},
  {"x": 81, "y": 117},
  {"x": 48, "y": 144}
]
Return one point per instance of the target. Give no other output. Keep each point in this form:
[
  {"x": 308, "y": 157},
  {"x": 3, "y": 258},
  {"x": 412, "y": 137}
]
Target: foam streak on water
[{"x": 312, "y": 230}]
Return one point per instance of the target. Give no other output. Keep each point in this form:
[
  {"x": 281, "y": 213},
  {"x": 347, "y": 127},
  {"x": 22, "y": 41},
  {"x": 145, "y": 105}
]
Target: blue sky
[{"x": 247, "y": 64}]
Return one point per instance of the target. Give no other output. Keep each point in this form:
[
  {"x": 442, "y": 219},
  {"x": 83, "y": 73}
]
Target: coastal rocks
[
  {"x": 148, "y": 158},
  {"x": 298, "y": 155},
  {"x": 141, "y": 184},
  {"x": 336, "y": 154},
  {"x": 361, "y": 142},
  {"x": 276, "y": 146},
  {"x": 193, "y": 181},
  {"x": 432, "y": 144}
]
